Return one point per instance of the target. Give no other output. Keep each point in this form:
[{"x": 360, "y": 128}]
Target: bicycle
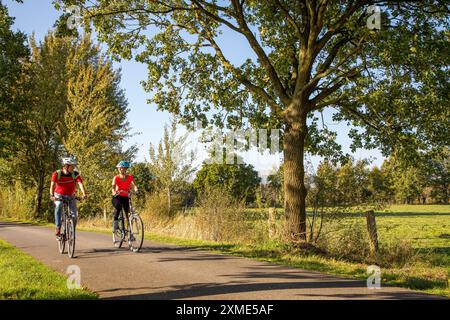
[
  {"x": 133, "y": 233},
  {"x": 68, "y": 225}
]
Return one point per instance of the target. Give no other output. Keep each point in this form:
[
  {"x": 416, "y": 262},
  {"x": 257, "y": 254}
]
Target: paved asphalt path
[{"x": 163, "y": 271}]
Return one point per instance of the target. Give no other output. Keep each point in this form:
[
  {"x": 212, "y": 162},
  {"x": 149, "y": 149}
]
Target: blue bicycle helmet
[{"x": 123, "y": 164}]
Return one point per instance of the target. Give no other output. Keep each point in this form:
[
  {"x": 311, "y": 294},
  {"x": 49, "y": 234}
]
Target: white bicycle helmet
[{"x": 69, "y": 161}]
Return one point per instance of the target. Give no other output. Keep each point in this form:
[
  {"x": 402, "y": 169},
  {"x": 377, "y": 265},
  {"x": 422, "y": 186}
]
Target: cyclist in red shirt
[
  {"x": 121, "y": 186},
  {"x": 62, "y": 186}
]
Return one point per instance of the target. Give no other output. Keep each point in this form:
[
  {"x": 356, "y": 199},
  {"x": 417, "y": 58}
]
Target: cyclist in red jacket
[
  {"x": 63, "y": 187},
  {"x": 121, "y": 186}
]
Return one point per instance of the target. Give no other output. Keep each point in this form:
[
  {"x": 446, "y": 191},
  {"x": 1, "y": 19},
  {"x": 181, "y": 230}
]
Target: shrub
[{"x": 220, "y": 217}]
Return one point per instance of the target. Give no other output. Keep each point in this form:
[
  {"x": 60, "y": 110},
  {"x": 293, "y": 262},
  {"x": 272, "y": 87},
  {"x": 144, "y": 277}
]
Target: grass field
[
  {"x": 22, "y": 277},
  {"x": 426, "y": 226}
]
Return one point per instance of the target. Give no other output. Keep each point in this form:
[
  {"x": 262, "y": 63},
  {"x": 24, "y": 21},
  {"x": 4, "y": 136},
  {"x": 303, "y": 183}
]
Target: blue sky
[{"x": 147, "y": 123}]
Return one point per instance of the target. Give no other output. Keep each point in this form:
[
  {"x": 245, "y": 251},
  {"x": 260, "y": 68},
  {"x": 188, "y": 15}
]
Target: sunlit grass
[{"x": 24, "y": 278}]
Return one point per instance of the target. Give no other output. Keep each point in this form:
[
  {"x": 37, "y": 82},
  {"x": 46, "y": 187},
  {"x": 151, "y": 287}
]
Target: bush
[
  {"x": 157, "y": 207},
  {"x": 397, "y": 253},
  {"x": 220, "y": 216},
  {"x": 350, "y": 241}
]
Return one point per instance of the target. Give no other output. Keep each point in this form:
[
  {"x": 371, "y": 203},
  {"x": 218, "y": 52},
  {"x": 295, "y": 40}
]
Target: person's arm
[
  {"x": 134, "y": 186},
  {"x": 83, "y": 189},
  {"x": 114, "y": 186},
  {"x": 52, "y": 190}
]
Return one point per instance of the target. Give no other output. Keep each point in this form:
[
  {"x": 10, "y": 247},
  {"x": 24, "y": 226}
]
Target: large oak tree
[{"x": 307, "y": 55}]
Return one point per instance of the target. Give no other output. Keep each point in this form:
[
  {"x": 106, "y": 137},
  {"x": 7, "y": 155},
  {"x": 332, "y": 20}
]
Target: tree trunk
[{"x": 294, "y": 180}]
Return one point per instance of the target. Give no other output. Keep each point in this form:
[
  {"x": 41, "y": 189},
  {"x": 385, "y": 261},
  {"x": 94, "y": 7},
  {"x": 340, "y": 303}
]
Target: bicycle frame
[
  {"x": 126, "y": 232},
  {"x": 67, "y": 221}
]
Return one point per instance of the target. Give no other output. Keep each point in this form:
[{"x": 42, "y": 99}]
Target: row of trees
[
  {"x": 58, "y": 97},
  {"x": 355, "y": 182},
  {"x": 170, "y": 170}
]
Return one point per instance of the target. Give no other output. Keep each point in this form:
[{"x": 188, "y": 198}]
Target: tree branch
[
  {"x": 215, "y": 17},
  {"x": 289, "y": 18},
  {"x": 238, "y": 74},
  {"x": 278, "y": 86}
]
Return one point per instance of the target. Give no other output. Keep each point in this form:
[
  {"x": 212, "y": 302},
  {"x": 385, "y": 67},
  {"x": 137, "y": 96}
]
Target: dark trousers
[{"x": 120, "y": 203}]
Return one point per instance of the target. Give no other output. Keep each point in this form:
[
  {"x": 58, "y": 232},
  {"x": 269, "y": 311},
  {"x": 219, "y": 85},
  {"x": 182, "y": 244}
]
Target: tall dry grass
[
  {"x": 216, "y": 216},
  {"x": 349, "y": 240},
  {"x": 16, "y": 202}
]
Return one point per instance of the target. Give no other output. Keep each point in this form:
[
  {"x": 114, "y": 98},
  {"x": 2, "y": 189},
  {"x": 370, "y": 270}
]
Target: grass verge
[{"x": 24, "y": 278}]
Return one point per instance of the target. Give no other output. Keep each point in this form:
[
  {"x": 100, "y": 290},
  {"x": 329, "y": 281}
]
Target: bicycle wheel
[
  {"x": 71, "y": 237},
  {"x": 136, "y": 237},
  {"x": 118, "y": 234},
  {"x": 62, "y": 239}
]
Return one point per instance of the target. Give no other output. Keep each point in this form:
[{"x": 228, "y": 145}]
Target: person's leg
[
  {"x": 126, "y": 205},
  {"x": 73, "y": 208},
  {"x": 126, "y": 208},
  {"x": 117, "y": 207},
  {"x": 58, "y": 209}
]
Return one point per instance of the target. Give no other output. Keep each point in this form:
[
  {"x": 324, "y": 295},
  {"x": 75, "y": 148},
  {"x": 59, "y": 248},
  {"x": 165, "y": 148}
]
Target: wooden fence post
[
  {"x": 272, "y": 222},
  {"x": 372, "y": 229}
]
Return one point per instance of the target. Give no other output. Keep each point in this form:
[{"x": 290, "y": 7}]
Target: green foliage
[
  {"x": 407, "y": 182},
  {"x": 428, "y": 176},
  {"x": 61, "y": 29},
  {"x": 171, "y": 164},
  {"x": 379, "y": 185},
  {"x": 16, "y": 200},
  {"x": 44, "y": 88},
  {"x": 145, "y": 181},
  {"x": 340, "y": 186},
  {"x": 73, "y": 106},
  {"x": 143, "y": 176},
  {"x": 13, "y": 54},
  {"x": 240, "y": 180},
  {"x": 348, "y": 66},
  {"x": 404, "y": 102},
  {"x": 439, "y": 176},
  {"x": 94, "y": 123}
]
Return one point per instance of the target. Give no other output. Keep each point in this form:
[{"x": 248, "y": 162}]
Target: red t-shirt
[
  {"x": 66, "y": 184},
  {"x": 124, "y": 185}
]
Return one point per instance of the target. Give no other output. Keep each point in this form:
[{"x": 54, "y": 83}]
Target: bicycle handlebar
[
  {"x": 61, "y": 199},
  {"x": 129, "y": 193}
]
